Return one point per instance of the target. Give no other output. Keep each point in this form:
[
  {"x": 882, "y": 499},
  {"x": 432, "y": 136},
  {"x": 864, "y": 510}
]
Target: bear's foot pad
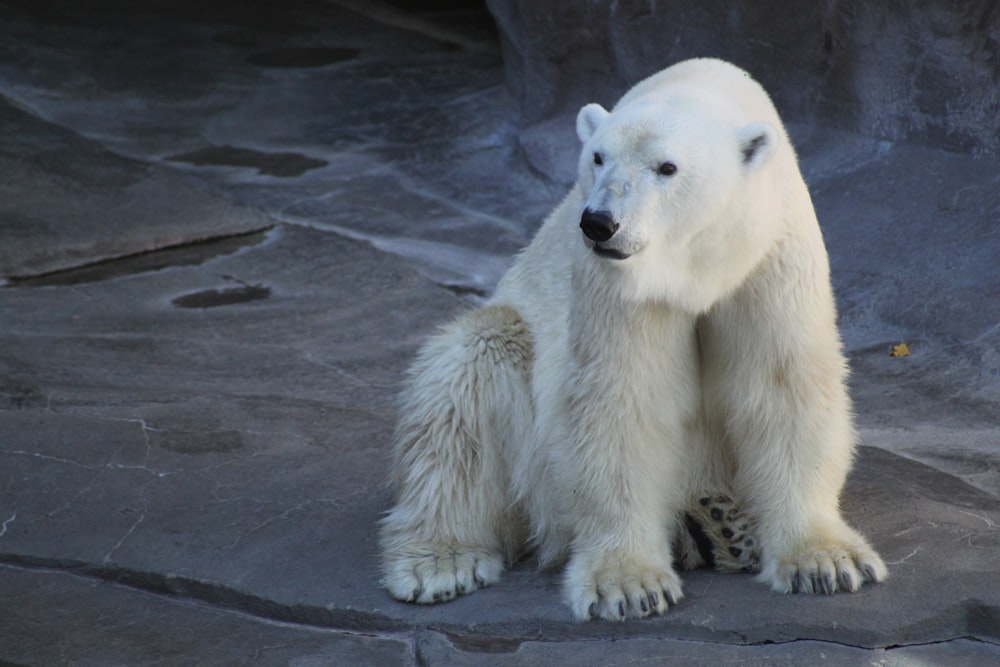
[
  {"x": 719, "y": 535},
  {"x": 427, "y": 574}
]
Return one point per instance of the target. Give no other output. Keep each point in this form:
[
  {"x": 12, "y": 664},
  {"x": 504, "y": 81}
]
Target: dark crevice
[
  {"x": 213, "y": 594},
  {"x": 424, "y": 18},
  {"x": 301, "y": 57},
  {"x": 890, "y": 647},
  {"x": 280, "y": 164},
  {"x": 480, "y": 644},
  {"x": 970, "y": 638},
  {"x": 465, "y": 290},
  {"x": 214, "y": 298},
  {"x": 182, "y": 254}
]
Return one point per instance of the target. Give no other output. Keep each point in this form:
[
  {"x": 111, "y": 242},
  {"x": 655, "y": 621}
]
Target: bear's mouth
[{"x": 609, "y": 253}]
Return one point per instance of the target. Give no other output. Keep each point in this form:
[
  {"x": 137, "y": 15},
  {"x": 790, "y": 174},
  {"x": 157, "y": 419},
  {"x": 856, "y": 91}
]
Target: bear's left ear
[
  {"x": 588, "y": 120},
  {"x": 757, "y": 142}
]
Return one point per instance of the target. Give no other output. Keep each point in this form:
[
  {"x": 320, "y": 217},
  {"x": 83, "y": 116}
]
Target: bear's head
[{"x": 675, "y": 202}]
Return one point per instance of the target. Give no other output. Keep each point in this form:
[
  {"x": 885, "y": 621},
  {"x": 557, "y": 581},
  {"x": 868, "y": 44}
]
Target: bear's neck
[{"x": 607, "y": 330}]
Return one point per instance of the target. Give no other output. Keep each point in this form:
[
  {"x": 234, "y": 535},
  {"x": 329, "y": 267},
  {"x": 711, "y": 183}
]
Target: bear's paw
[
  {"x": 619, "y": 587},
  {"x": 825, "y": 565},
  {"x": 429, "y": 574}
]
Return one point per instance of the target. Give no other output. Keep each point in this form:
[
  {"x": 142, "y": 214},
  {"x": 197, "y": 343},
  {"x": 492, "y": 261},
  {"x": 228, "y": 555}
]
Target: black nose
[{"x": 598, "y": 226}]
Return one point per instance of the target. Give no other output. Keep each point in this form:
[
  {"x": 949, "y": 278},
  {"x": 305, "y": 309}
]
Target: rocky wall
[{"x": 907, "y": 70}]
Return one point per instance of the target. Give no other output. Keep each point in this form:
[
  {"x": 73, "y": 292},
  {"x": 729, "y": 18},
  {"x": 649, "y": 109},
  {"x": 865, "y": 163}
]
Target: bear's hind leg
[
  {"x": 467, "y": 403},
  {"x": 717, "y": 533}
]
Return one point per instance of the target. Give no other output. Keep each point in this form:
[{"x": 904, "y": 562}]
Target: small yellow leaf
[{"x": 901, "y": 350}]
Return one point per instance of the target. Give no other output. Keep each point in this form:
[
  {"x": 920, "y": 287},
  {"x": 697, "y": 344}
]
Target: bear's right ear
[
  {"x": 588, "y": 120},
  {"x": 757, "y": 143}
]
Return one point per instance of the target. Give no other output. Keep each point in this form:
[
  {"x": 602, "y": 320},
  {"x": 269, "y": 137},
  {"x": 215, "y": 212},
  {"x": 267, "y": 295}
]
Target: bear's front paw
[
  {"x": 429, "y": 573},
  {"x": 825, "y": 568},
  {"x": 619, "y": 587}
]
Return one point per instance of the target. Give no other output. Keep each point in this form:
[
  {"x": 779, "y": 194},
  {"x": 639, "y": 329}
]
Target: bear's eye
[
  {"x": 598, "y": 160},
  {"x": 667, "y": 169}
]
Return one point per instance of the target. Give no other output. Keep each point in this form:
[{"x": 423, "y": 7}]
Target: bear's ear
[
  {"x": 588, "y": 120},
  {"x": 757, "y": 142}
]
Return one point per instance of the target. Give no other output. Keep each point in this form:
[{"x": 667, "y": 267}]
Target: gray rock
[
  {"x": 435, "y": 649},
  {"x": 66, "y": 201},
  {"x": 910, "y": 71},
  {"x": 53, "y": 618},
  {"x": 911, "y": 233}
]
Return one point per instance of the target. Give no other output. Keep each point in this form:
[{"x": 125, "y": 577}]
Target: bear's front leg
[
  {"x": 794, "y": 447},
  {"x": 620, "y": 470},
  {"x": 775, "y": 385},
  {"x": 622, "y": 500}
]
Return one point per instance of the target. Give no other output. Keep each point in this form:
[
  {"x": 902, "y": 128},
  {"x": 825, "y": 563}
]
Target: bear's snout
[{"x": 598, "y": 226}]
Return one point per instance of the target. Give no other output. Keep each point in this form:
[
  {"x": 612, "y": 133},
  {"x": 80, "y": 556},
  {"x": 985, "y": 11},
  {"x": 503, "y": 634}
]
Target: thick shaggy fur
[{"x": 586, "y": 410}]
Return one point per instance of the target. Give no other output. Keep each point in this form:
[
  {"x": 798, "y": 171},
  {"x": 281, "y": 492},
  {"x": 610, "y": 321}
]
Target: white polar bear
[{"x": 685, "y": 341}]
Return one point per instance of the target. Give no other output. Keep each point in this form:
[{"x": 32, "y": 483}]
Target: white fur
[{"x": 580, "y": 410}]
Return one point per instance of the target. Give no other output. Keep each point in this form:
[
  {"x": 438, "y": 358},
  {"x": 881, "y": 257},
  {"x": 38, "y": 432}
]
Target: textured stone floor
[{"x": 225, "y": 232}]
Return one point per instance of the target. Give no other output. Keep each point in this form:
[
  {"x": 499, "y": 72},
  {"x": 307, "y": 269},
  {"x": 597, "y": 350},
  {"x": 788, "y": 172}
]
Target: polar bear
[{"x": 670, "y": 330}]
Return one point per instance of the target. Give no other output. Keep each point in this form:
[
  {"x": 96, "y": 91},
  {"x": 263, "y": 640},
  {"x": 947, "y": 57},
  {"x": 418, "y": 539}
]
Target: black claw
[
  {"x": 654, "y": 600},
  {"x": 461, "y": 589},
  {"x": 795, "y": 584},
  {"x": 479, "y": 580},
  {"x": 592, "y": 610},
  {"x": 829, "y": 585},
  {"x": 643, "y": 605},
  {"x": 701, "y": 539},
  {"x": 869, "y": 573},
  {"x": 670, "y": 597},
  {"x": 814, "y": 582},
  {"x": 416, "y": 594},
  {"x": 621, "y": 608},
  {"x": 437, "y": 597},
  {"x": 847, "y": 581}
]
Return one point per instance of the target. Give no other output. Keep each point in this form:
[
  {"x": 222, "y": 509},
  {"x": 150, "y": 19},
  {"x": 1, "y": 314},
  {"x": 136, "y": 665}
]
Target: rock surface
[
  {"x": 906, "y": 71},
  {"x": 267, "y": 212}
]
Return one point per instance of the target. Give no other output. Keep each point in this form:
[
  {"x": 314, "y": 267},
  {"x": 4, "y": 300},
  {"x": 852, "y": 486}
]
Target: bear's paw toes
[
  {"x": 826, "y": 570},
  {"x": 618, "y": 592},
  {"x": 427, "y": 575}
]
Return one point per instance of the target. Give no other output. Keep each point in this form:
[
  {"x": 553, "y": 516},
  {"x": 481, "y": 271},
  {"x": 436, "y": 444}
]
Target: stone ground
[{"x": 225, "y": 232}]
